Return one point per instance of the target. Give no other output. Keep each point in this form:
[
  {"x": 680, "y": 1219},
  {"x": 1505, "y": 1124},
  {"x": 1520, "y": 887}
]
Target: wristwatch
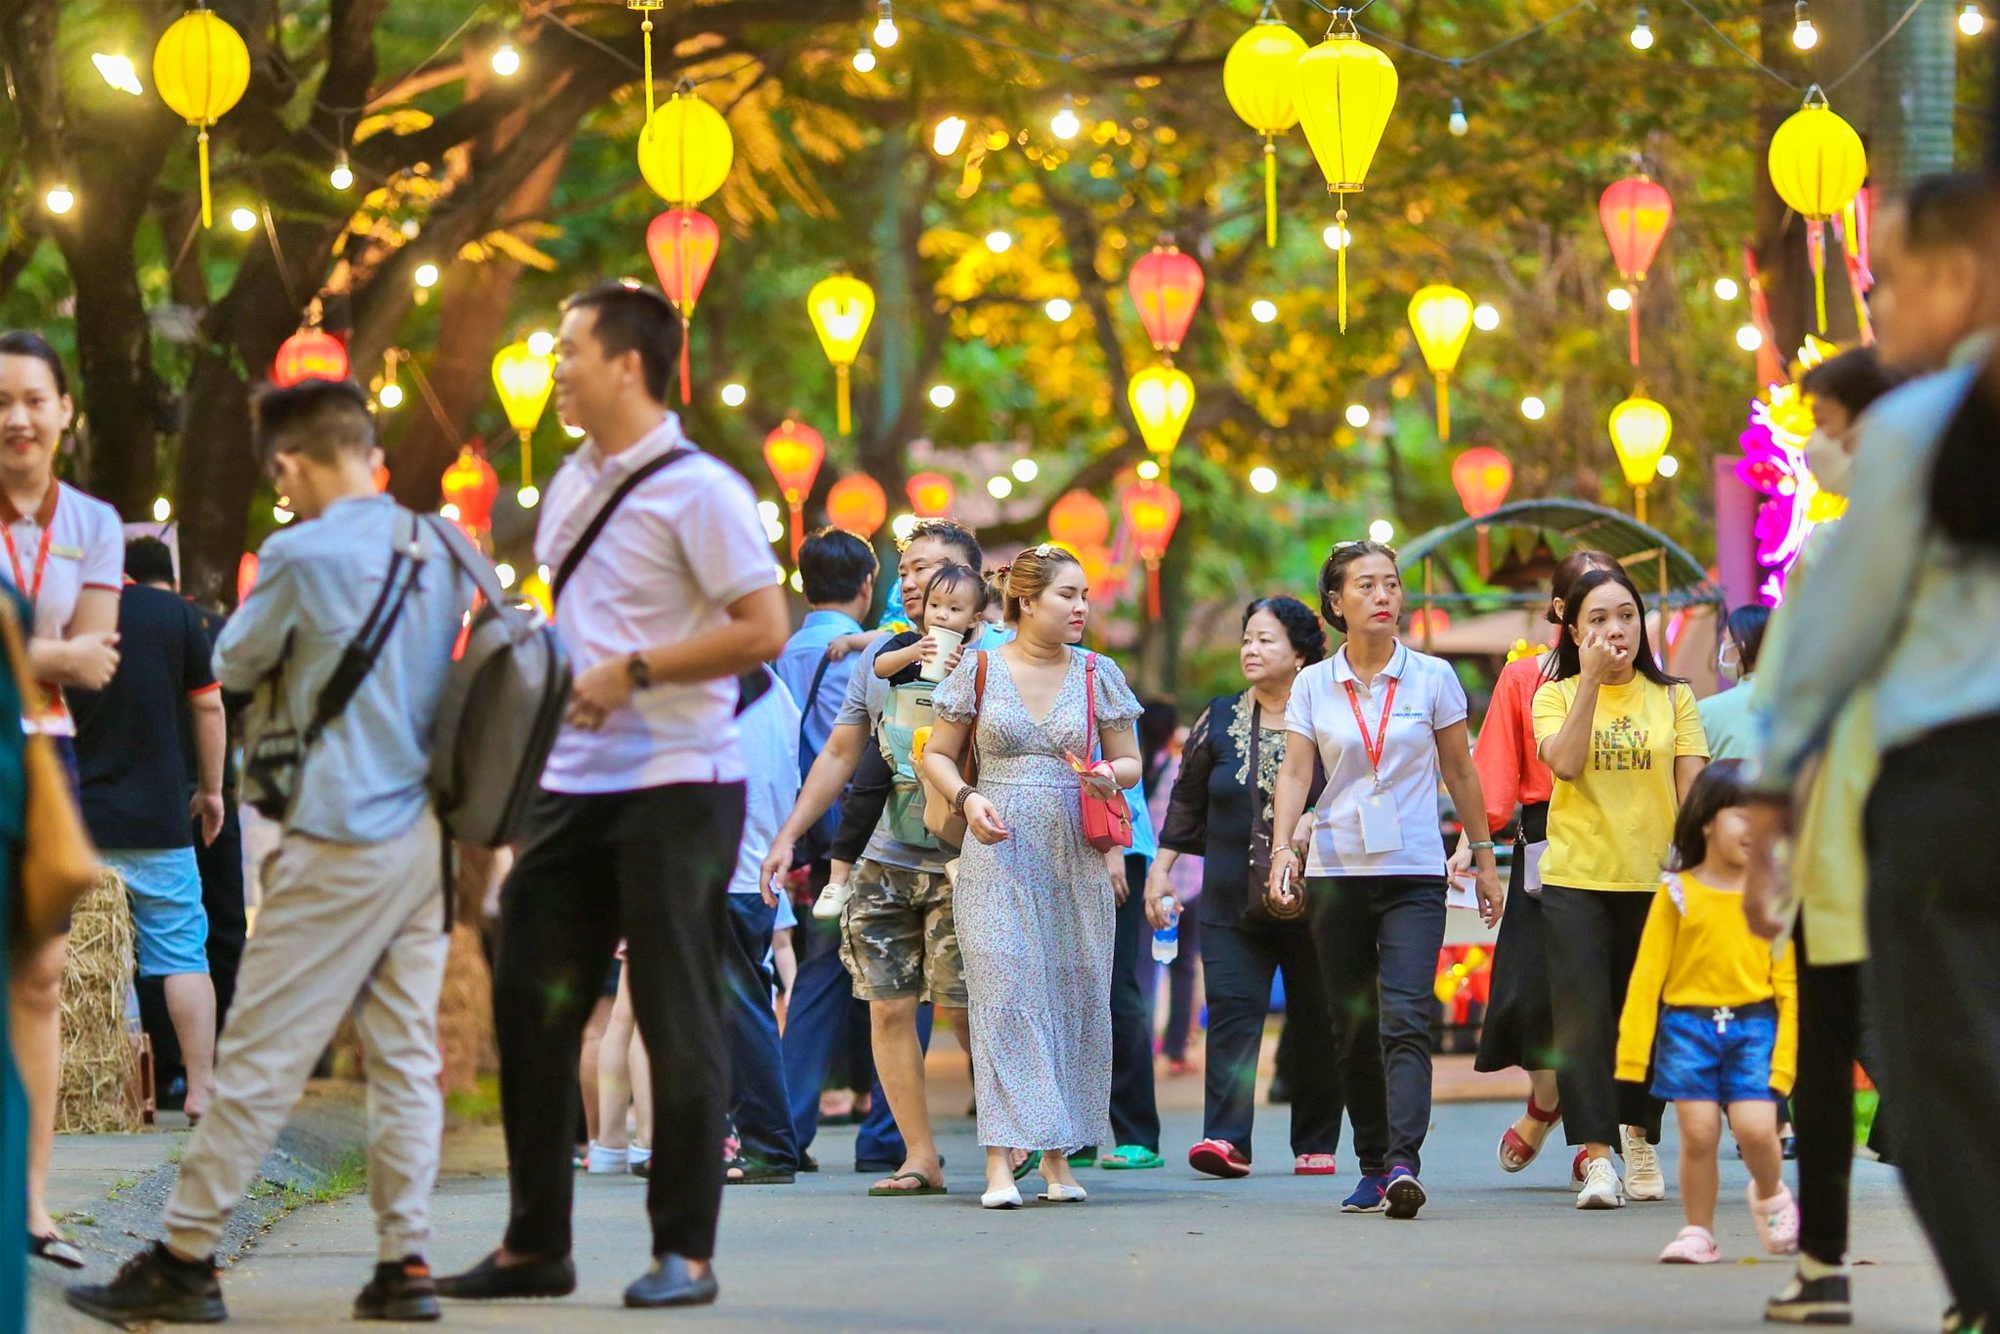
[{"x": 636, "y": 668}]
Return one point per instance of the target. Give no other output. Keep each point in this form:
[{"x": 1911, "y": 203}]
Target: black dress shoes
[
  {"x": 489, "y": 1280},
  {"x": 668, "y": 1283}
]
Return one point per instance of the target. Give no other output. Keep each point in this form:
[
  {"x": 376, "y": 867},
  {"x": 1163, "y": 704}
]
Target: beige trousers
[{"x": 344, "y": 926}]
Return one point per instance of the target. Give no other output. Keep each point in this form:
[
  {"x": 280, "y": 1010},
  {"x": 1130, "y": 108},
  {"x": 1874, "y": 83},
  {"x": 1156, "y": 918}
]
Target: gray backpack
[{"x": 502, "y": 706}]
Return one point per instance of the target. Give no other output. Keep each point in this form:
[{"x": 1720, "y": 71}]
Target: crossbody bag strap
[
  {"x": 359, "y": 658},
  {"x": 603, "y": 516},
  {"x": 1090, "y": 706},
  {"x": 812, "y": 697}
]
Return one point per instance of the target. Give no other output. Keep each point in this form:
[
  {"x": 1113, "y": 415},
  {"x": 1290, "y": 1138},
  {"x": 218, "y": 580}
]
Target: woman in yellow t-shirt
[{"x": 1624, "y": 741}]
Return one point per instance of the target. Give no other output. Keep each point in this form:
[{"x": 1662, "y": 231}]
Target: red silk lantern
[
  {"x": 793, "y": 453},
  {"x": 1426, "y": 622},
  {"x": 857, "y": 504},
  {"x": 1152, "y": 511},
  {"x": 1482, "y": 477},
  {"x": 1079, "y": 521},
  {"x": 246, "y": 576},
  {"x": 931, "y": 495},
  {"x": 1166, "y": 287},
  {"x": 381, "y": 479},
  {"x": 1636, "y": 213},
  {"x": 683, "y": 243},
  {"x": 309, "y": 354},
  {"x": 471, "y": 485}
]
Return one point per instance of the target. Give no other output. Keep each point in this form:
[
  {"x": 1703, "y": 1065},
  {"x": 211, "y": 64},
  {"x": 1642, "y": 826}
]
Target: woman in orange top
[{"x": 1518, "y": 1029}]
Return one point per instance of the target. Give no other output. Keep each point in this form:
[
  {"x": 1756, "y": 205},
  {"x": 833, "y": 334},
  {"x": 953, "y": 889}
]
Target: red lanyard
[
  {"x": 33, "y": 591},
  {"x": 1377, "y": 744}
]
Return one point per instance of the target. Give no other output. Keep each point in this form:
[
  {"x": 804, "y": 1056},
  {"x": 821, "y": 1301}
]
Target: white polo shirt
[
  {"x": 680, "y": 549},
  {"x": 1428, "y": 697},
  {"x": 86, "y": 549}
]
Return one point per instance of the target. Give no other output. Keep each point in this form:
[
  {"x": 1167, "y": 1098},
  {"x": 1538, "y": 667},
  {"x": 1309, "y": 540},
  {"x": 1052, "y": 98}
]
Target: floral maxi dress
[{"x": 1035, "y": 914}]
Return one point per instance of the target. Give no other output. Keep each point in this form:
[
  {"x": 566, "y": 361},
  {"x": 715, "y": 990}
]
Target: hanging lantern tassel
[
  {"x": 1270, "y": 192},
  {"x": 1340, "y": 257},
  {"x": 1444, "y": 406},
  {"x": 208, "y": 209},
  {"x": 527, "y": 459},
  {"x": 1816, "y": 251},
  {"x": 846, "y": 403},
  {"x": 1856, "y": 285},
  {"x": 798, "y": 524},
  {"x": 1632, "y": 317},
  {"x": 1485, "y": 533},
  {"x": 1153, "y": 587}
]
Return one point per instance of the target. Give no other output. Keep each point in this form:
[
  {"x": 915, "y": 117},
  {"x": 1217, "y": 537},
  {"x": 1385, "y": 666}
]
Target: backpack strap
[
  {"x": 603, "y": 516},
  {"x": 358, "y": 659}
]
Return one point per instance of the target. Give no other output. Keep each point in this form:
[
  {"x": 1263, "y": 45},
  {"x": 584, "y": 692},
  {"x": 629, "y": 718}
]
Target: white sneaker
[
  {"x": 1643, "y": 1178},
  {"x": 605, "y": 1162},
  {"x": 830, "y": 901},
  {"x": 1600, "y": 1187}
]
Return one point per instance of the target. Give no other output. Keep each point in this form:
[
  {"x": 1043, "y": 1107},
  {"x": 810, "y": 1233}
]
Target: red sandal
[
  {"x": 1218, "y": 1158},
  {"x": 1516, "y": 1153}
]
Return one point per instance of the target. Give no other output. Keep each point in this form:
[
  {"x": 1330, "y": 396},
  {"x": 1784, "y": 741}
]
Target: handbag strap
[
  {"x": 603, "y": 516},
  {"x": 1090, "y": 704},
  {"x": 812, "y": 696},
  {"x": 359, "y": 657},
  {"x": 17, "y": 659}
]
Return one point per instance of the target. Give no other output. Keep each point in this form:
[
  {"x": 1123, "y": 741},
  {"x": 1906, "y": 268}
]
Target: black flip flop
[{"x": 56, "y": 1250}]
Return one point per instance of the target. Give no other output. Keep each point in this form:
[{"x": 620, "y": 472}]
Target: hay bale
[
  {"x": 465, "y": 1013},
  {"x": 99, "y": 1086}
]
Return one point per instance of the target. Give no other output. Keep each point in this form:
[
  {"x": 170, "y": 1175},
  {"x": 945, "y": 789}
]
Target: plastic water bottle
[{"x": 1167, "y": 942}]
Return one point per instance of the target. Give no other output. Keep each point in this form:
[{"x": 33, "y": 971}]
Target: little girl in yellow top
[{"x": 1728, "y": 1028}]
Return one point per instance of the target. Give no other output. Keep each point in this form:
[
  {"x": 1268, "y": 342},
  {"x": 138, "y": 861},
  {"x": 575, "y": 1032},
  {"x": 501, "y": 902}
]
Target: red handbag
[{"x": 1107, "y": 821}]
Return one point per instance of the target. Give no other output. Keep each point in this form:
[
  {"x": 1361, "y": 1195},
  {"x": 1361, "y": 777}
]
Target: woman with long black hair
[{"x": 1624, "y": 742}]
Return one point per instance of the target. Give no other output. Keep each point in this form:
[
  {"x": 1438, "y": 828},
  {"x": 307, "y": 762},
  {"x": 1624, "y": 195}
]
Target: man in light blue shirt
[{"x": 838, "y": 571}]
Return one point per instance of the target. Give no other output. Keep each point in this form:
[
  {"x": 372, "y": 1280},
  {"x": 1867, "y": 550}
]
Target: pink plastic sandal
[
  {"x": 1694, "y": 1246},
  {"x": 1777, "y": 1219},
  {"x": 1314, "y": 1165}
]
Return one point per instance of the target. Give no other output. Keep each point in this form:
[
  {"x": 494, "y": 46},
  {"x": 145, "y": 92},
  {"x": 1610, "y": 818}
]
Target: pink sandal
[
  {"x": 1694, "y": 1246},
  {"x": 1516, "y": 1153},
  {"x": 1777, "y": 1220},
  {"x": 1314, "y": 1165},
  {"x": 1218, "y": 1158}
]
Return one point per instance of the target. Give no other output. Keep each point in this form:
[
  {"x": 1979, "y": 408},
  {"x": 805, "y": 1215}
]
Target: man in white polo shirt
[{"x": 636, "y": 829}]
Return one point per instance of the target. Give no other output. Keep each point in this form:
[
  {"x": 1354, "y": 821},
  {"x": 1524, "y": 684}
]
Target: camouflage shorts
[{"x": 897, "y": 937}]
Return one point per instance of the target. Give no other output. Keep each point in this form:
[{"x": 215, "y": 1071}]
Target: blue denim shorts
[
  {"x": 1699, "y": 1057},
  {"x": 164, "y": 885}
]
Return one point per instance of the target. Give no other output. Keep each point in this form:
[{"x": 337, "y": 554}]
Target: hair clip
[{"x": 1044, "y": 549}]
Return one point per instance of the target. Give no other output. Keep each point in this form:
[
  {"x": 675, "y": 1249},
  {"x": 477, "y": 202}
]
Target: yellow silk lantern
[
  {"x": 1162, "y": 399},
  {"x": 686, "y": 150},
  {"x": 1640, "y": 432},
  {"x": 645, "y": 10},
  {"x": 1257, "y": 77},
  {"x": 524, "y": 380},
  {"x": 1817, "y": 166},
  {"x": 841, "y": 308},
  {"x": 1344, "y": 90},
  {"x": 1441, "y": 317},
  {"x": 201, "y": 68}
]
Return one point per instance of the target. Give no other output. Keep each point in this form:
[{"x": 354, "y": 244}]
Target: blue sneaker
[
  {"x": 1370, "y": 1196},
  {"x": 1404, "y": 1192}
]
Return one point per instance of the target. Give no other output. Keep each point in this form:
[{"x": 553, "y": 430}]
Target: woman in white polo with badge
[
  {"x": 1387, "y": 723},
  {"x": 66, "y": 555}
]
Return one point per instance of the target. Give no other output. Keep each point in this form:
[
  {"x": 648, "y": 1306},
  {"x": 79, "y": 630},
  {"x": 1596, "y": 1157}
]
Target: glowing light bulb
[
  {"x": 999, "y": 242},
  {"x": 1459, "y": 126},
  {"x": 242, "y": 219},
  {"x": 1533, "y": 408},
  {"x": 1669, "y": 465},
  {"x": 1065, "y": 124},
  {"x": 1382, "y": 531},
  {"x": 163, "y": 509},
  {"x": 542, "y": 573},
  {"x": 1642, "y": 35},
  {"x": 541, "y": 343},
  {"x": 1358, "y": 415},
  {"x": 1486, "y": 316},
  {"x": 1148, "y": 471},
  {"x": 1026, "y": 470},
  {"x": 902, "y": 526},
  {"x": 884, "y": 33},
  {"x": 528, "y": 497},
  {"x": 768, "y": 511},
  {"x": 943, "y": 396},
  {"x": 119, "y": 73},
  {"x": 426, "y": 275},
  {"x": 281, "y": 515},
  {"x": 948, "y": 135},
  {"x": 1804, "y": 35},
  {"x": 1263, "y": 481},
  {"x": 1058, "y": 309},
  {"x": 505, "y": 573},
  {"x": 342, "y": 175},
  {"x": 60, "y": 199},
  {"x": 1619, "y": 298},
  {"x": 448, "y": 512},
  {"x": 1726, "y": 289},
  {"x": 1000, "y": 487},
  {"x": 1337, "y": 237},
  {"x": 1749, "y": 337},
  {"x": 574, "y": 432},
  {"x": 734, "y": 395},
  {"x": 1263, "y": 311},
  {"x": 390, "y": 396},
  {"x": 1971, "y": 20},
  {"x": 506, "y": 60},
  {"x": 864, "y": 59}
]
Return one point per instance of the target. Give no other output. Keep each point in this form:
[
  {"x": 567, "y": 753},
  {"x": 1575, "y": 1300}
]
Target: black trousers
[
  {"x": 652, "y": 866},
  {"x": 1377, "y": 938},
  {"x": 1591, "y": 937},
  {"x": 221, "y": 867},
  {"x": 1135, "y": 1116},
  {"x": 1934, "y": 996},
  {"x": 1238, "y": 964},
  {"x": 1823, "y": 1100}
]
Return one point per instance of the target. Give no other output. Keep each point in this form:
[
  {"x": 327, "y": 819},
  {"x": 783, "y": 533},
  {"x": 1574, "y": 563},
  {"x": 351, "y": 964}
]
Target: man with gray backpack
[{"x": 349, "y": 638}]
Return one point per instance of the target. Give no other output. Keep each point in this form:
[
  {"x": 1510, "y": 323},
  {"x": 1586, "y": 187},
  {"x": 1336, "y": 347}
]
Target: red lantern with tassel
[
  {"x": 1080, "y": 522},
  {"x": 1166, "y": 287},
  {"x": 931, "y": 495},
  {"x": 309, "y": 354},
  {"x": 1636, "y": 213},
  {"x": 1482, "y": 478},
  {"x": 857, "y": 504},
  {"x": 793, "y": 453},
  {"x": 1152, "y": 511},
  {"x": 471, "y": 486},
  {"x": 683, "y": 243}
]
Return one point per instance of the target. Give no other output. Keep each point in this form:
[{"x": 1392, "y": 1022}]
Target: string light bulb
[
  {"x": 342, "y": 175},
  {"x": 163, "y": 509},
  {"x": 119, "y": 73},
  {"x": 1486, "y": 317},
  {"x": 1533, "y": 408},
  {"x": 999, "y": 242},
  {"x": 1065, "y": 124},
  {"x": 1148, "y": 471},
  {"x": 1000, "y": 487},
  {"x": 528, "y": 497},
  {"x": 943, "y": 396},
  {"x": 1749, "y": 337},
  {"x": 1058, "y": 309},
  {"x": 864, "y": 58},
  {"x": 1972, "y": 19},
  {"x": 1337, "y": 237},
  {"x": 885, "y": 34},
  {"x": 1669, "y": 465},
  {"x": 1358, "y": 415},
  {"x": 60, "y": 199},
  {"x": 1025, "y": 470},
  {"x": 390, "y": 396},
  {"x": 1382, "y": 531},
  {"x": 541, "y": 343},
  {"x": 734, "y": 395},
  {"x": 1459, "y": 125},
  {"x": 1804, "y": 35},
  {"x": 242, "y": 219},
  {"x": 1726, "y": 289},
  {"x": 1619, "y": 298},
  {"x": 1263, "y": 311},
  {"x": 506, "y": 60},
  {"x": 948, "y": 135},
  {"x": 1642, "y": 33},
  {"x": 1263, "y": 481}
]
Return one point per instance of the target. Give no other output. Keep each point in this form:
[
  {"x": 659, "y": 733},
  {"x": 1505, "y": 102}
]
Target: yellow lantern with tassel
[
  {"x": 524, "y": 377},
  {"x": 201, "y": 67},
  {"x": 1441, "y": 317},
  {"x": 1344, "y": 90},
  {"x": 645, "y": 9},
  {"x": 1818, "y": 165},
  {"x": 1162, "y": 400},
  {"x": 1257, "y": 77},
  {"x": 1640, "y": 432},
  {"x": 686, "y": 150},
  {"x": 841, "y": 308}
]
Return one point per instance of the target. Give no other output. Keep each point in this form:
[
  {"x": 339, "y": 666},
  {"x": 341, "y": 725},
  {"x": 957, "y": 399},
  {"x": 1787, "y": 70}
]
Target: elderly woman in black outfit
[{"x": 1221, "y": 812}]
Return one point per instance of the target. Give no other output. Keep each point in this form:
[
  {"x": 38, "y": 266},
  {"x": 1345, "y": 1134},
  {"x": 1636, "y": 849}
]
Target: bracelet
[
  {"x": 1486, "y": 846},
  {"x": 964, "y": 793}
]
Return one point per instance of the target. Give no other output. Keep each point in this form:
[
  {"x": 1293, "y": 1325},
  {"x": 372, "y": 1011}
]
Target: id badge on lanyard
[{"x": 1381, "y": 828}]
